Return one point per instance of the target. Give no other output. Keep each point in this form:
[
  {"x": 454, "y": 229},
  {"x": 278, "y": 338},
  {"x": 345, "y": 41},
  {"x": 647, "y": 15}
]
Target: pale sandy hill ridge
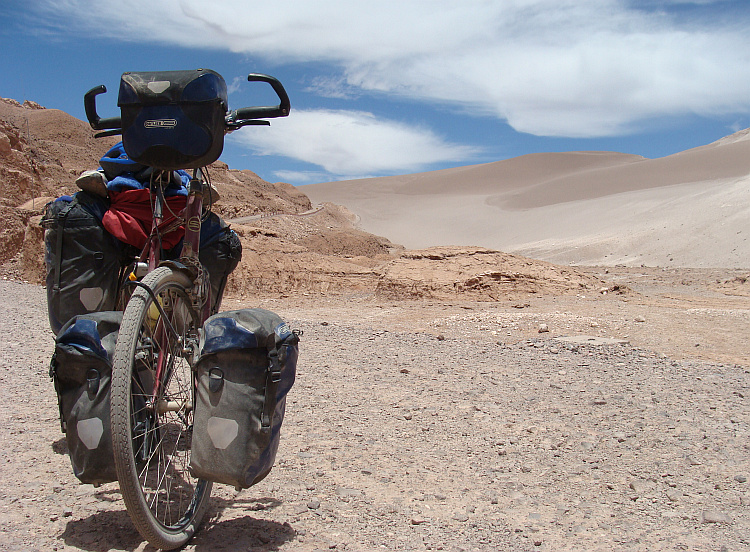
[{"x": 687, "y": 209}]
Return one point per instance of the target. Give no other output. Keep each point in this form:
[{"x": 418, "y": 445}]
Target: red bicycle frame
[{"x": 190, "y": 218}]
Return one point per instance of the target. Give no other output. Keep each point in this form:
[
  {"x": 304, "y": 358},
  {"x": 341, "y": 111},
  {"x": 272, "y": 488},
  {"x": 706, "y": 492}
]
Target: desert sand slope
[{"x": 687, "y": 209}]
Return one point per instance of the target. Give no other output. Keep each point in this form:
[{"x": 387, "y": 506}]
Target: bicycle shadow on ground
[
  {"x": 60, "y": 446},
  {"x": 102, "y": 531},
  {"x": 112, "y": 529},
  {"x": 244, "y": 531}
]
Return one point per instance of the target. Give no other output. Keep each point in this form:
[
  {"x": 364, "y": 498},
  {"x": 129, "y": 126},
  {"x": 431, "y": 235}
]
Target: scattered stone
[
  {"x": 712, "y": 516},
  {"x": 639, "y": 486},
  {"x": 67, "y": 512},
  {"x": 740, "y": 478},
  {"x": 543, "y": 328},
  {"x": 674, "y": 495},
  {"x": 418, "y": 520},
  {"x": 314, "y": 504},
  {"x": 345, "y": 492},
  {"x": 640, "y": 319}
]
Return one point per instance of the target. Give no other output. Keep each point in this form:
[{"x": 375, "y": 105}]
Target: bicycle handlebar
[
  {"x": 96, "y": 122},
  {"x": 235, "y": 119}
]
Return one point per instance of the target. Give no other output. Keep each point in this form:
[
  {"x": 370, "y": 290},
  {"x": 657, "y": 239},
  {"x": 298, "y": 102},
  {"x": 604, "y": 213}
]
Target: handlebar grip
[
  {"x": 262, "y": 112},
  {"x": 96, "y": 122},
  {"x": 284, "y": 105}
]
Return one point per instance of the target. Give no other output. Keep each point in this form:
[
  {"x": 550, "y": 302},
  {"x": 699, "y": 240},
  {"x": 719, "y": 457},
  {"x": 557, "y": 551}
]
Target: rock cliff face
[
  {"x": 289, "y": 245},
  {"x": 42, "y": 151}
]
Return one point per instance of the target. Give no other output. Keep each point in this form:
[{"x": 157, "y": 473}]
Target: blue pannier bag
[
  {"x": 246, "y": 366},
  {"x": 81, "y": 370},
  {"x": 173, "y": 119}
]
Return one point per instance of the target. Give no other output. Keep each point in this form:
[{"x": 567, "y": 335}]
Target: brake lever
[{"x": 234, "y": 125}]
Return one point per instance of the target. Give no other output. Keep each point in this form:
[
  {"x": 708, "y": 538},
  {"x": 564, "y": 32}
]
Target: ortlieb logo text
[{"x": 160, "y": 123}]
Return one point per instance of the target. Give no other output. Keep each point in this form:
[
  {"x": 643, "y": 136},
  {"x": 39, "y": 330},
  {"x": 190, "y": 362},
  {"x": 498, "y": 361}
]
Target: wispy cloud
[
  {"x": 352, "y": 144},
  {"x": 548, "y": 67}
]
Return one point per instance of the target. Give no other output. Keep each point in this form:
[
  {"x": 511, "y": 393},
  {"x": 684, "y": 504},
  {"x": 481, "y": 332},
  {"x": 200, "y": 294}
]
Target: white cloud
[
  {"x": 548, "y": 67},
  {"x": 351, "y": 144}
]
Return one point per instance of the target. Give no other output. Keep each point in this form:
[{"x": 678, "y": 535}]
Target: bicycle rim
[{"x": 152, "y": 411}]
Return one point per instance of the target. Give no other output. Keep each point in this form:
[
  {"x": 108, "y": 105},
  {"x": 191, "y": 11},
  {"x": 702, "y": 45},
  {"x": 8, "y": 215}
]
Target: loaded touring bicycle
[{"x": 149, "y": 385}]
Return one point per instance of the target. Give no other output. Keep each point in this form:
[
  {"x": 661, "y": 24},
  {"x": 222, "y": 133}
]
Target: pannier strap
[
  {"x": 61, "y": 216},
  {"x": 53, "y": 377},
  {"x": 273, "y": 377}
]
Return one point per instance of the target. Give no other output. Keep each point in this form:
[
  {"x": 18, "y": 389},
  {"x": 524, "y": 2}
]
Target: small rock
[
  {"x": 740, "y": 478},
  {"x": 440, "y": 337},
  {"x": 543, "y": 328},
  {"x": 67, "y": 512},
  {"x": 673, "y": 495},
  {"x": 404, "y": 370},
  {"x": 640, "y": 319},
  {"x": 418, "y": 520},
  {"x": 344, "y": 492},
  {"x": 712, "y": 516},
  {"x": 314, "y": 504},
  {"x": 638, "y": 486},
  {"x": 599, "y": 402},
  {"x": 460, "y": 516}
]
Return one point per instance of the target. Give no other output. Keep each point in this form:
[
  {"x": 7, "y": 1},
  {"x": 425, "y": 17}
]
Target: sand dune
[{"x": 689, "y": 209}]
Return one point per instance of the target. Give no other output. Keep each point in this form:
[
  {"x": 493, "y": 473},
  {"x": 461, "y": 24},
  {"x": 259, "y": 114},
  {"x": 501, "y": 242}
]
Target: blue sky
[{"x": 400, "y": 86}]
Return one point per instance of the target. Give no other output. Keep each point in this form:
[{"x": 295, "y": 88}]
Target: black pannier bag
[
  {"x": 245, "y": 368},
  {"x": 173, "y": 119},
  {"x": 82, "y": 259},
  {"x": 220, "y": 257},
  {"x": 220, "y": 253},
  {"x": 81, "y": 369}
]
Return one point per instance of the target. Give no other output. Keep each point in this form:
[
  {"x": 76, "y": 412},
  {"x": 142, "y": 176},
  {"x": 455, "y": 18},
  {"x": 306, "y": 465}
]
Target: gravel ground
[{"x": 414, "y": 439}]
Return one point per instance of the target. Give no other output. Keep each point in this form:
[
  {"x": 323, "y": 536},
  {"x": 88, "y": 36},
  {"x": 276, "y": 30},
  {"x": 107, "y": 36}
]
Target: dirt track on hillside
[{"x": 436, "y": 426}]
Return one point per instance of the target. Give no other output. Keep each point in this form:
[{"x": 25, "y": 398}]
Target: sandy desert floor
[{"x": 437, "y": 426}]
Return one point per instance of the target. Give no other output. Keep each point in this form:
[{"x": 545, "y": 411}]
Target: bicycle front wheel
[{"x": 152, "y": 398}]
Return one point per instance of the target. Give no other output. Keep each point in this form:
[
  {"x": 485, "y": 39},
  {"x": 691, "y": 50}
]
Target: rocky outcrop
[{"x": 476, "y": 273}]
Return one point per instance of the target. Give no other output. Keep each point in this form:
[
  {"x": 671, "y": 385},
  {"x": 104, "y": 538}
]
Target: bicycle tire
[{"x": 152, "y": 423}]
